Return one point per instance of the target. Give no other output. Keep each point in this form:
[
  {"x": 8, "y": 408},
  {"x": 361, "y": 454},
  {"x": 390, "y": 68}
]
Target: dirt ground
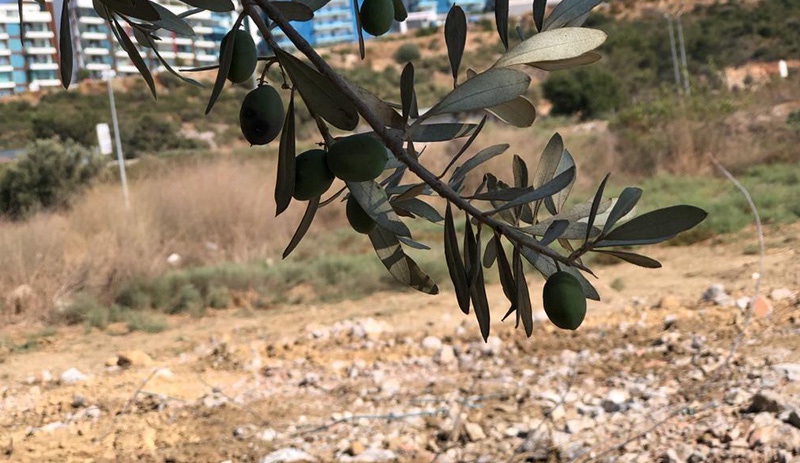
[{"x": 335, "y": 378}]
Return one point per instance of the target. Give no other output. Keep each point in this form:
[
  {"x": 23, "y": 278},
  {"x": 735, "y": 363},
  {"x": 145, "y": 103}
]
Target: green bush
[
  {"x": 588, "y": 91},
  {"x": 66, "y": 123},
  {"x": 151, "y": 134},
  {"x": 48, "y": 176},
  {"x": 406, "y": 52}
]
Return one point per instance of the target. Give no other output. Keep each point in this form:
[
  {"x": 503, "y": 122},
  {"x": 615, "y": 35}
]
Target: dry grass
[{"x": 217, "y": 211}]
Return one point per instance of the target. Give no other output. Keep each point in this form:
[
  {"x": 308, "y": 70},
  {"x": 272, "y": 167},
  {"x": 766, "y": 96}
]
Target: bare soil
[{"x": 216, "y": 382}]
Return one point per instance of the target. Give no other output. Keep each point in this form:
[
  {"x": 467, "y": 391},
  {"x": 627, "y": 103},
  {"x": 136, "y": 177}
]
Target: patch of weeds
[{"x": 144, "y": 321}]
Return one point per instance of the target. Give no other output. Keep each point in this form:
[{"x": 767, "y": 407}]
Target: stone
[
  {"x": 669, "y": 302},
  {"x": 390, "y": 387},
  {"x": 794, "y": 419},
  {"x": 537, "y": 446},
  {"x": 287, "y": 455},
  {"x": 431, "y": 343},
  {"x": 716, "y": 294},
  {"x": 493, "y": 346},
  {"x": 577, "y": 425},
  {"x": 355, "y": 448},
  {"x": 446, "y": 355},
  {"x": 72, "y": 375},
  {"x": 764, "y": 401},
  {"x": 782, "y": 294},
  {"x": 134, "y": 358},
  {"x": 474, "y": 432},
  {"x": 790, "y": 371},
  {"x": 615, "y": 401},
  {"x": 370, "y": 455},
  {"x": 267, "y": 435}
]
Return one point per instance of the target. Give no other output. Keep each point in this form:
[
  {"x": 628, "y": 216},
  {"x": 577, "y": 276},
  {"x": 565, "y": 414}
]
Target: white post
[
  {"x": 108, "y": 75},
  {"x": 783, "y": 69}
]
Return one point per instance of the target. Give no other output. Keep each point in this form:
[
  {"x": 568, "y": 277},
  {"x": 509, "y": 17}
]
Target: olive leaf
[
  {"x": 319, "y": 94},
  {"x": 569, "y": 12},
  {"x": 408, "y": 96},
  {"x": 455, "y": 264},
  {"x": 133, "y": 54},
  {"x": 556, "y": 202},
  {"x": 501, "y": 20},
  {"x": 552, "y": 45},
  {"x": 550, "y": 188},
  {"x": 418, "y": 208},
  {"x": 558, "y": 65},
  {"x": 65, "y": 58},
  {"x": 373, "y": 199},
  {"x": 402, "y": 267},
  {"x": 635, "y": 259},
  {"x": 477, "y": 288},
  {"x": 140, "y": 9},
  {"x": 524, "y": 308},
  {"x": 654, "y": 226},
  {"x": 447, "y": 131},
  {"x": 539, "y": 7},
  {"x": 225, "y": 60},
  {"x": 172, "y": 22},
  {"x": 464, "y": 147},
  {"x": 485, "y": 90},
  {"x": 302, "y": 228},
  {"x": 458, "y": 176},
  {"x": 400, "y": 13},
  {"x": 455, "y": 37},
  {"x": 598, "y": 197},
  {"x": 506, "y": 274},
  {"x": 625, "y": 203},
  {"x": 554, "y": 231},
  {"x": 518, "y": 112},
  {"x": 284, "y": 182},
  {"x": 546, "y": 266},
  {"x": 294, "y": 11},
  {"x": 217, "y": 6}
]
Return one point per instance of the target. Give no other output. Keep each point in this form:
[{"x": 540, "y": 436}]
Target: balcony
[
  {"x": 5, "y": 52},
  {"x": 7, "y": 85},
  {"x": 41, "y": 50},
  {"x": 182, "y": 41},
  {"x": 127, "y": 69},
  {"x": 203, "y": 30},
  {"x": 43, "y": 66},
  {"x": 98, "y": 66},
  {"x": 36, "y": 17},
  {"x": 205, "y": 44},
  {"x": 47, "y": 82},
  {"x": 3, "y": 36},
  {"x": 6, "y": 68},
  {"x": 207, "y": 58},
  {"x": 96, "y": 51},
  {"x": 94, "y": 36},
  {"x": 90, "y": 20},
  {"x": 39, "y": 35}
]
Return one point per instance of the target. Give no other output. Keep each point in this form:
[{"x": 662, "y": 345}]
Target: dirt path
[{"x": 238, "y": 385}]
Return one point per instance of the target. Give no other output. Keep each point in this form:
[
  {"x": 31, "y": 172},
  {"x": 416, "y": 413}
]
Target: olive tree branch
[{"x": 395, "y": 143}]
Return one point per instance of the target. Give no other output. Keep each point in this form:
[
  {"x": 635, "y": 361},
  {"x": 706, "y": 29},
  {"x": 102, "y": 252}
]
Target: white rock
[
  {"x": 174, "y": 259},
  {"x": 431, "y": 343},
  {"x": 615, "y": 401},
  {"x": 791, "y": 371},
  {"x": 493, "y": 346},
  {"x": 370, "y": 455},
  {"x": 782, "y": 294},
  {"x": 73, "y": 375},
  {"x": 390, "y": 387},
  {"x": 287, "y": 455},
  {"x": 716, "y": 294},
  {"x": 446, "y": 355},
  {"x": 474, "y": 432}
]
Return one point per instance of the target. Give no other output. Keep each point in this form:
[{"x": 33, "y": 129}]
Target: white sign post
[
  {"x": 104, "y": 138},
  {"x": 783, "y": 69}
]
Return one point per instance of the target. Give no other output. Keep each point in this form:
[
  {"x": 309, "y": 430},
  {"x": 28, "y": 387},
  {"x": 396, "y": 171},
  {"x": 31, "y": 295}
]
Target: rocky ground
[{"x": 406, "y": 378}]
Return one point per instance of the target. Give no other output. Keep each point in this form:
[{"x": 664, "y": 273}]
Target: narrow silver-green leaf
[
  {"x": 284, "y": 180},
  {"x": 172, "y": 22},
  {"x": 477, "y": 289},
  {"x": 660, "y": 224},
  {"x": 635, "y": 259},
  {"x": 294, "y": 11},
  {"x": 556, "y": 202},
  {"x": 524, "y": 308},
  {"x": 464, "y": 147},
  {"x": 598, "y": 197},
  {"x": 402, "y": 267},
  {"x": 539, "y": 7},
  {"x": 548, "y": 163},
  {"x": 501, "y": 20},
  {"x": 65, "y": 57},
  {"x": 140, "y": 9},
  {"x": 625, "y": 203},
  {"x": 427, "y": 133},
  {"x": 319, "y": 94},
  {"x": 408, "y": 96},
  {"x": 419, "y": 208},
  {"x": 554, "y": 231},
  {"x": 302, "y": 228},
  {"x": 372, "y": 198},
  {"x": 482, "y": 156},
  {"x": 573, "y": 231},
  {"x": 568, "y": 11},
  {"x": 217, "y": 6},
  {"x": 314, "y": 5},
  {"x": 558, "y": 65},
  {"x": 505, "y": 273},
  {"x": 387, "y": 115},
  {"x": 455, "y": 264},
  {"x": 550, "y": 188},
  {"x": 400, "y": 13},
  {"x": 413, "y": 244},
  {"x": 362, "y": 51},
  {"x": 490, "y": 252},
  {"x": 136, "y": 59},
  {"x": 558, "y": 44},
  {"x": 225, "y": 59},
  {"x": 147, "y": 40},
  {"x": 455, "y": 37},
  {"x": 487, "y": 89},
  {"x": 519, "y": 112}
]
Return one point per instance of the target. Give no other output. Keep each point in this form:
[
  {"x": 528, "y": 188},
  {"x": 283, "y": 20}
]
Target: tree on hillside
[{"x": 387, "y": 182}]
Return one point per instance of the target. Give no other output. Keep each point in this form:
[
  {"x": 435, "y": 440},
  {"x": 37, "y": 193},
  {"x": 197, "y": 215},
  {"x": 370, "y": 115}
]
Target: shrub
[
  {"x": 588, "y": 91},
  {"x": 406, "y": 52},
  {"x": 48, "y": 176},
  {"x": 153, "y": 134},
  {"x": 66, "y": 123}
]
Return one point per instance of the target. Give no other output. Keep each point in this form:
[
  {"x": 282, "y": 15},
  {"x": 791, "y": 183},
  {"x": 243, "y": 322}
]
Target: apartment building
[{"x": 34, "y": 61}]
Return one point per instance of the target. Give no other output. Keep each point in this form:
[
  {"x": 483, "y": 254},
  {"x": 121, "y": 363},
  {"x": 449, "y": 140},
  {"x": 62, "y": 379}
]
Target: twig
[
  {"x": 395, "y": 143},
  {"x": 388, "y": 417},
  {"x": 130, "y": 401}
]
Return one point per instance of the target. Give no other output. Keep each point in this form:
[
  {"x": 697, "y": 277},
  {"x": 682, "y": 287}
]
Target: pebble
[
  {"x": 287, "y": 455},
  {"x": 72, "y": 375},
  {"x": 474, "y": 432},
  {"x": 431, "y": 343}
]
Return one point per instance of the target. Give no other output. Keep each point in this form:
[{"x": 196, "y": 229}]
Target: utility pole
[
  {"x": 674, "y": 52},
  {"x": 108, "y": 75},
  {"x": 686, "y": 86}
]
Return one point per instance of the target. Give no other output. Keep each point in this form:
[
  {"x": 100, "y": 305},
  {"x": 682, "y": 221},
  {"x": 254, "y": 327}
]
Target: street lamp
[{"x": 108, "y": 76}]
